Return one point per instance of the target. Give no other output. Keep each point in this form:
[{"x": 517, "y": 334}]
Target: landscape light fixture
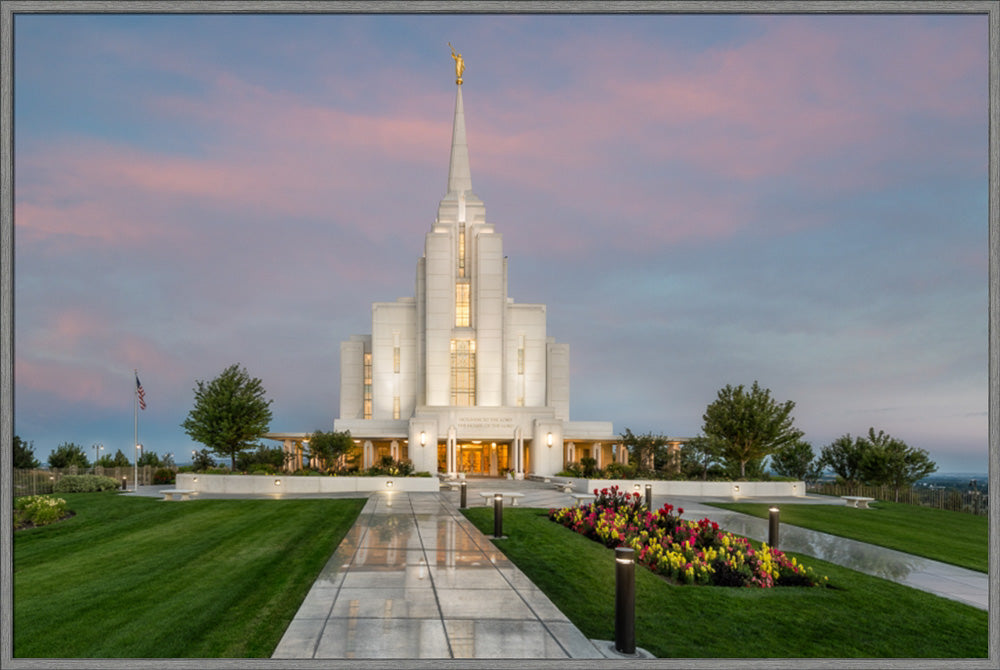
[
  {"x": 772, "y": 527},
  {"x": 388, "y": 483},
  {"x": 625, "y": 600}
]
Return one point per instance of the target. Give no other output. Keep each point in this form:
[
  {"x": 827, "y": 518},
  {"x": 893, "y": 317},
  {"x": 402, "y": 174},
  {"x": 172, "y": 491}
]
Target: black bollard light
[
  {"x": 649, "y": 497},
  {"x": 497, "y": 515},
  {"x": 124, "y": 483},
  {"x": 462, "y": 488},
  {"x": 772, "y": 534},
  {"x": 625, "y": 600}
]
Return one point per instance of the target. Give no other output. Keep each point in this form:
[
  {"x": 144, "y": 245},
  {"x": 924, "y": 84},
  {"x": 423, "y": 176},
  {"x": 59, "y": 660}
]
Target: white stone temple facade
[{"x": 460, "y": 378}]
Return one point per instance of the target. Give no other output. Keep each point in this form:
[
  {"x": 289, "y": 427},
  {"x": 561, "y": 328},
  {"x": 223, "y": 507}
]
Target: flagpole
[{"x": 135, "y": 435}]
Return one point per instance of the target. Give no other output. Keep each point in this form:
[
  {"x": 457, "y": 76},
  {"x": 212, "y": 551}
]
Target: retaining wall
[
  {"x": 734, "y": 490},
  {"x": 277, "y": 484}
]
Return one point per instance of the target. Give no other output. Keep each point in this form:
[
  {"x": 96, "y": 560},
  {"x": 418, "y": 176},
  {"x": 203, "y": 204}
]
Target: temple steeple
[{"x": 459, "y": 172}]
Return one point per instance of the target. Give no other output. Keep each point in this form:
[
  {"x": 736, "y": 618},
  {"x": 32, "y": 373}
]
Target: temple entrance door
[{"x": 483, "y": 459}]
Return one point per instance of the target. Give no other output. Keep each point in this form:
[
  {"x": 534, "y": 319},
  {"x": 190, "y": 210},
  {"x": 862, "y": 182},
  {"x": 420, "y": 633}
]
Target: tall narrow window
[
  {"x": 463, "y": 373},
  {"x": 520, "y": 355},
  {"x": 395, "y": 360},
  {"x": 368, "y": 386},
  {"x": 461, "y": 250},
  {"x": 462, "y": 310}
]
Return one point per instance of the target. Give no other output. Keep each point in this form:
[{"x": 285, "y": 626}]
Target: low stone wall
[
  {"x": 277, "y": 484},
  {"x": 734, "y": 490}
]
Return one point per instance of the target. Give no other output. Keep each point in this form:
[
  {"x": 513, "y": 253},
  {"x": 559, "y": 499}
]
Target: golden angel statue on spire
[{"x": 459, "y": 65}]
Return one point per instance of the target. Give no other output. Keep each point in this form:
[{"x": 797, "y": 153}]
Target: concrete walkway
[{"x": 415, "y": 579}]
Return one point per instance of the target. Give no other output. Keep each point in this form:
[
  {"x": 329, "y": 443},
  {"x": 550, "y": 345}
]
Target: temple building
[{"x": 460, "y": 378}]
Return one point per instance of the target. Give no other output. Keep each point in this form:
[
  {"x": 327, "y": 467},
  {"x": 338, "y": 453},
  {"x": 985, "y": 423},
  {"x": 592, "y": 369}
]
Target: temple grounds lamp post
[
  {"x": 462, "y": 488},
  {"x": 649, "y": 497},
  {"x": 772, "y": 534},
  {"x": 98, "y": 448},
  {"x": 625, "y": 600}
]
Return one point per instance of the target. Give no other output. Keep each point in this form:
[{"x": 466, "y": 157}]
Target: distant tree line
[
  {"x": 70, "y": 454},
  {"x": 744, "y": 427}
]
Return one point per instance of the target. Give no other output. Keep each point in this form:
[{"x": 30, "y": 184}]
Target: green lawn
[
  {"x": 132, "y": 577},
  {"x": 860, "y": 617},
  {"x": 951, "y": 537}
]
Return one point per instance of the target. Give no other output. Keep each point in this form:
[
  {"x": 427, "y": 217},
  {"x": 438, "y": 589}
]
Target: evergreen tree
[
  {"x": 230, "y": 413},
  {"x": 119, "y": 460},
  {"x": 68, "y": 454},
  {"x": 751, "y": 425},
  {"x": 24, "y": 454}
]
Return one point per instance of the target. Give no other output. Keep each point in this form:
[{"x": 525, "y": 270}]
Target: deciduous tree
[
  {"x": 751, "y": 424},
  {"x": 230, "y": 412},
  {"x": 648, "y": 451},
  {"x": 326, "y": 447},
  {"x": 796, "y": 460},
  {"x": 891, "y": 462},
  {"x": 699, "y": 454},
  {"x": 843, "y": 456}
]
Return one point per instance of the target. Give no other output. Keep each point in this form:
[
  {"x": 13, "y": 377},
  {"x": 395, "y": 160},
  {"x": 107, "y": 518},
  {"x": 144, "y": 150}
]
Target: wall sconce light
[
  {"x": 277, "y": 482},
  {"x": 423, "y": 439},
  {"x": 549, "y": 439},
  {"x": 195, "y": 479},
  {"x": 388, "y": 484}
]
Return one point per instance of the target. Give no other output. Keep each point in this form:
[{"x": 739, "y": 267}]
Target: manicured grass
[
  {"x": 860, "y": 617},
  {"x": 135, "y": 577},
  {"x": 942, "y": 535}
]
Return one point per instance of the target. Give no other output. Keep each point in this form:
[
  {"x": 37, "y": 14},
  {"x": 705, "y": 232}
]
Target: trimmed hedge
[{"x": 85, "y": 484}]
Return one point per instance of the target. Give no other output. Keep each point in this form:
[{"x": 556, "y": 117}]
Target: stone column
[
  {"x": 369, "y": 458},
  {"x": 452, "y": 455},
  {"x": 394, "y": 450},
  {"x": 597, "y": 453}
]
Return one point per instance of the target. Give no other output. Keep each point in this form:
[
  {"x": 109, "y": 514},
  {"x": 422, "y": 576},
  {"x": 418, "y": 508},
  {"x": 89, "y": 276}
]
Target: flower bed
[
  {"x": 34, "y": 511},
  {"x": 688, "y": 552}
]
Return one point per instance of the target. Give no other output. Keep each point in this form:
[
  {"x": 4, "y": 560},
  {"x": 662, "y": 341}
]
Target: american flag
[{"x": 140, "y": 393}]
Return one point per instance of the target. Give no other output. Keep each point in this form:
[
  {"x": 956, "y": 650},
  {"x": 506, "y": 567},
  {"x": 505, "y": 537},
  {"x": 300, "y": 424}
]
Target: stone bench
[
  {"x": 488, "y": 497},
  {"x": 185, "y": 494},
  {"x": 565, "y": 487},
  {"x": 582, "y": 497},
  {"x": 859, "y": 502}
]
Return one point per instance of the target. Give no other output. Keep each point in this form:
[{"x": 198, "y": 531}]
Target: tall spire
[{"x": 459, "y": 172}]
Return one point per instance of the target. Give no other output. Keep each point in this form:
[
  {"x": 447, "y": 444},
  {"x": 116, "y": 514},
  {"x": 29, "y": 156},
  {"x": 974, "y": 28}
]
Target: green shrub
[
  {"x": 164, "y": 476},
  {"x": 422, "y": 473},
  {"x": 38, "y": 510},
  {"x": 619, "y": 471},
  {"x": 85, "y": 484},
  {"x": 387, "y": 465}
]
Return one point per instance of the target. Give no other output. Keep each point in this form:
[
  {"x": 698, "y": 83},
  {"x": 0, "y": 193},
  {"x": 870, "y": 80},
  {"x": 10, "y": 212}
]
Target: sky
[{"x": 700, "y": 200}]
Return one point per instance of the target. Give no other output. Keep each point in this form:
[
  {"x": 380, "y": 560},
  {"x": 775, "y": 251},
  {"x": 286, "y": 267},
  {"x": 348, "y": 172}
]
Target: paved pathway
[{"x": 415, "y": 579}]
